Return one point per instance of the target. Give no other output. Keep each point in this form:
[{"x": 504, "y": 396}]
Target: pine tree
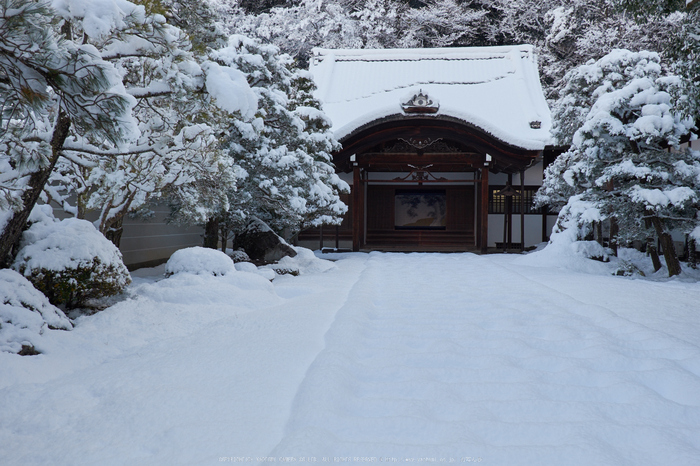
[
  {"x": 49, "y": 86},
  {"x": 176, "y": 115},
  {"x": 323, "y": 206},
  {"x": 287, "y": 166},
  {"x": 626, "y": 161}
]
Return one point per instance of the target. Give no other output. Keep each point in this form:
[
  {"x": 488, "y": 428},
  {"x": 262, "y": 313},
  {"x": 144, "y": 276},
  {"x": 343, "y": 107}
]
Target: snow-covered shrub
[
  {"x": 294, "y": 271},
  {"x": 591, "y": 250},
  {"x": 199, "y": 261},
  {"x": 627, "y": 269},
  {"x": 238, "y": 255},
  {"x": 69, "y": 260},
  {"x": 24, "y": 314},
  {"x": 249, "y": 267},
  {"x": 304, "y": 262}
]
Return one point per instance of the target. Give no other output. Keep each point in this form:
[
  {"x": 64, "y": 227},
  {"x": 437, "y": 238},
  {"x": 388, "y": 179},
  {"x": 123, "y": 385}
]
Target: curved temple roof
[{"x": 495, "y": 89}]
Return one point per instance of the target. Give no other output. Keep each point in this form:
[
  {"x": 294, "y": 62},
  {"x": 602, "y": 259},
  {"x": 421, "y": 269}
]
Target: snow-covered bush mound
[
  {"x": 245, "y": 291},
  {"x": 249, "y": 267},
  {"x": 69, "y": 260},
  {"x": 578, "y": 256},
  {"x": 25, "y": 313},
  {"x": 238, "y": 255},
  {"x": 304, "y": 262},
  {"x": 199, "y": 261}
]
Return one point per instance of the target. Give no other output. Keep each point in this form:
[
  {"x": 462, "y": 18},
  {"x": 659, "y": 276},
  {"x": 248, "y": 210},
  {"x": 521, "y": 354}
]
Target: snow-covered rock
[
  {"x": 262, "y": 244},
  {"x": 304, "y": 262},
  {"x": 199, "y": 261}
]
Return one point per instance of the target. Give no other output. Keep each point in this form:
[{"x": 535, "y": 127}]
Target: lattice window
[{"x": 497, "y": 202}]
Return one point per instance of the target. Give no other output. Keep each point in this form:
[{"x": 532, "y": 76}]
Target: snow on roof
[{"x": 494, "y": 88}]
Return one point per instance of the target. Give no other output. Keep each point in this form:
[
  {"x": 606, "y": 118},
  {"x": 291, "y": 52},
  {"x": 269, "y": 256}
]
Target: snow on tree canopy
[
  {"x": 626, "y": 161},
  {"x": 230, "y": 90},
  {"x": 494, "y": 88},
  {"x": 99, "y": 17},
  {"x": 199, "y": 261}
]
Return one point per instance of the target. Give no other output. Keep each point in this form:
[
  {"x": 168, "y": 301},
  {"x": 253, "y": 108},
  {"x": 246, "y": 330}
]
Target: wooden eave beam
[
  {"x": 417, "y": 159},
  {"x": 505, "y": 157}
]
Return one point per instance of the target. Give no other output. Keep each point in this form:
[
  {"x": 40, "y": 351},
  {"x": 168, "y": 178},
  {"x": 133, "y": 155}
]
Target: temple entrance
[
  {"x": 420, "y": 184},
  {"x": 412, "y": 218},
  {"x": 422, "y": 131}
]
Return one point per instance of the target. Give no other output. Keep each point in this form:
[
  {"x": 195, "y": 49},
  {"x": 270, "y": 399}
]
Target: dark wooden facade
[{"x": 422, "y": 154}]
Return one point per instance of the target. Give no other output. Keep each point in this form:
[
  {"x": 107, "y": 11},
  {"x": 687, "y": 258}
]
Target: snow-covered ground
[{"x": 499, "y": 359}]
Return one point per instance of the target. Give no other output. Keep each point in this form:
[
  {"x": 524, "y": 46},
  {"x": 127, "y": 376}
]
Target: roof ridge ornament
[{"x": 420, "y": 103}]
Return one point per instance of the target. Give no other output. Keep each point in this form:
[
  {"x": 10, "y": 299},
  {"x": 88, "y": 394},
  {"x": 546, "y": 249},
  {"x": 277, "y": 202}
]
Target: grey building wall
[{"x": 146, "y": 243}]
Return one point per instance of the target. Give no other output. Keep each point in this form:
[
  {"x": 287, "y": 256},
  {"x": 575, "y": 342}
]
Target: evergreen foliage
[
  {"x": 49, "y": 85},
  {"x": 625, "y": 162},
  {"x": 175, "y": 141},
  {"x": 118, "y": 107},
  {"x": 285, "y": 150}
]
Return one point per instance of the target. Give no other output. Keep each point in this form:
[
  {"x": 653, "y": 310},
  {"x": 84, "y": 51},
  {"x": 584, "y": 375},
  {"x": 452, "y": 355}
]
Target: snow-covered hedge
[
  {"x": 69, "y": 260},
  {"x": 199, "y": 261},
  {"x": 25, "y": 314}
]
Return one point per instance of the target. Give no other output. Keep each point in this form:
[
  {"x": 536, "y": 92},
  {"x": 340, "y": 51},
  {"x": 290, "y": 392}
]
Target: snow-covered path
[
  {"x": 387, "y": 356},
  {"x": 460, "y": 356}
]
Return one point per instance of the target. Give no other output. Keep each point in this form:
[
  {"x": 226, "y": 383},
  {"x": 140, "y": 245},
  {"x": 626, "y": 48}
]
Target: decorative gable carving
[
  {"x": 420, "y": 103},
  {"x": 409, "y": 145}
]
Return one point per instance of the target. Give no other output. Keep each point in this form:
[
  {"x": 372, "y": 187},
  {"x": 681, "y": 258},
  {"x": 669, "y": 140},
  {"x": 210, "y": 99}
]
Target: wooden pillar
[
  {"x": 364, "y": 177},
  {"x": 522, "y": 210},
  {"x": 509, "y": 213},
  {"x": 484, "y": 209},
  {"x": 356, "y": 208}
]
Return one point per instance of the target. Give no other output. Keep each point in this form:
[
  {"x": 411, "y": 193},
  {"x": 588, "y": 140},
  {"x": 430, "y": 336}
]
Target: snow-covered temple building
[{"x": 438, "y": 145}]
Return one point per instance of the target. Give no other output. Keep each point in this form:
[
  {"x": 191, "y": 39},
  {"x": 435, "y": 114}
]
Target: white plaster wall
[
  {"x": 533, "y": 177},
  {"x": 533, "y": 229}
]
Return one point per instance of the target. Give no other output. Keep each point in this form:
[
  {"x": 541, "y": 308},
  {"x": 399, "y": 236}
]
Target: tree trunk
[
  {"x": 12, "y": 233},
  {"x": 674, "y": 266},
  {"x": 114, "y": 229},
  {"x": 654, "y": 254},
  {"x": 81, "y": 204},
  {"x": 614, "y": 229},
  {"x": 211, "y": 233},
  {"x": 692, "y": 254},
  {"x": 224, "y": 237}
]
